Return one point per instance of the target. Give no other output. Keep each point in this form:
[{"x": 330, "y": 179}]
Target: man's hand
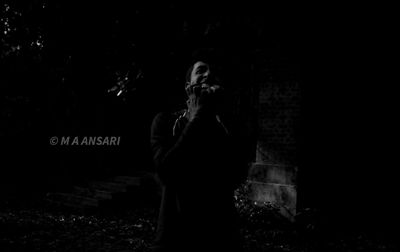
[{"x": 203, "y": 99}]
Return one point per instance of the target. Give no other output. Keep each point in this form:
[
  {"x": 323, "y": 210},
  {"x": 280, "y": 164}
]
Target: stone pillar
[{"x": 272, "y": 176}]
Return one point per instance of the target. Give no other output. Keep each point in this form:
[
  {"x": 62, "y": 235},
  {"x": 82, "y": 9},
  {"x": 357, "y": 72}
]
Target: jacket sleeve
[
  {"x": 169, "y": 157},
  {"x": 238, "y": 162}
]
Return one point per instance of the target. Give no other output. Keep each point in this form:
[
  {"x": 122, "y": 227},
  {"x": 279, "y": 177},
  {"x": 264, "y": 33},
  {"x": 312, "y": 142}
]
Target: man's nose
[{"x": 207, "y": 75}]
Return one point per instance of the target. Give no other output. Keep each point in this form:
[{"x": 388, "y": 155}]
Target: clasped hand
[{"x": 203, "y": 99}]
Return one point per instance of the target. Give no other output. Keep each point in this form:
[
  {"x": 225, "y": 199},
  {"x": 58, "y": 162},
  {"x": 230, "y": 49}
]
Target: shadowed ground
[{"x": 40, "y": 227}]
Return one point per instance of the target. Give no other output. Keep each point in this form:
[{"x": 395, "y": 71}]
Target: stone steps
[
  {"x": 76, "y": 207},
  {"x": 276, "y": 184},
  {"x": 94, "y": 193},
  {"x": 131, "y": 181},
  {"x": 105, "y": 194},
  {"x": 108, "y": 186},
  {"x": 72, "y": 199}
]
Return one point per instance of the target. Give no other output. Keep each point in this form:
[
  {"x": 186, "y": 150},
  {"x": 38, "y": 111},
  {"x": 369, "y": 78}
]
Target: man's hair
[
  {"x": 211, "y": 56},
  {"x": 189, "y": 74}
]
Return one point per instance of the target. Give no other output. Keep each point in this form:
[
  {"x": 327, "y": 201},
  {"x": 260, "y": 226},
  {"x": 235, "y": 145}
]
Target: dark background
[{"x": 339, "y": 55}]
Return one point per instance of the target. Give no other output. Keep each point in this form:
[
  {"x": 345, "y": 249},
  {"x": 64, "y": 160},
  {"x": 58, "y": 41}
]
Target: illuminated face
[{"x": 200, "y": 74}]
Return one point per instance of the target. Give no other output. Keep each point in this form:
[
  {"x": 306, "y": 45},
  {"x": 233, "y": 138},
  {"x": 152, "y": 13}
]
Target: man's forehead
[{"x": 199, "y": 64}]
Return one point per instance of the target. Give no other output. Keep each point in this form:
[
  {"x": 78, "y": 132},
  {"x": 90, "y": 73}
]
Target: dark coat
[{"x": 199, "y": 167}]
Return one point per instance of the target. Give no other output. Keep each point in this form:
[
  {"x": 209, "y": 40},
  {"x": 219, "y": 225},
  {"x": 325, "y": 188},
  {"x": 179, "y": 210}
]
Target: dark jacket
[{"x": 199, "y": 167}]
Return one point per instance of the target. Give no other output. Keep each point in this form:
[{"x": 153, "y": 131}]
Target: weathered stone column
[{"x": 272, "y": 176}]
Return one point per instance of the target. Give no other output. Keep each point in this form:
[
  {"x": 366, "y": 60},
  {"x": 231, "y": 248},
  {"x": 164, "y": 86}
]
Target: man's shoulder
[
  {"x": 167, "y": 117},
  {"x": 178, "y": 114}
]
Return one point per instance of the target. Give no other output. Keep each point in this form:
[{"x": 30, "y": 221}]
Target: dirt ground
[{"x": 36, "y": 228}]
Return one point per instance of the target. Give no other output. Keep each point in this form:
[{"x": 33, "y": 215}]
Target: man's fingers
[
  {"x": 205, "y": 92},
  {"x": 193, "y": 89},
  {"x": 197, "y": 90},
  {"x": 205, "y": 86},
  {"x": 216, "y": 88},
  {"x": 189, "y": 90}
]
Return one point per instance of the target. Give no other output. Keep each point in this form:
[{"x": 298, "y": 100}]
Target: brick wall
[{"x": 278, "y": 112}]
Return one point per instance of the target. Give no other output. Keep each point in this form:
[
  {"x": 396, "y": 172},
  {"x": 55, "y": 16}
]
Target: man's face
[
  {"x": 200, "y": 74},
  {"x": 202, "y": 79}
]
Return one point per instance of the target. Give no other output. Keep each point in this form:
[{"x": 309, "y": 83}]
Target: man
[{"x": 199, "y": 167}]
